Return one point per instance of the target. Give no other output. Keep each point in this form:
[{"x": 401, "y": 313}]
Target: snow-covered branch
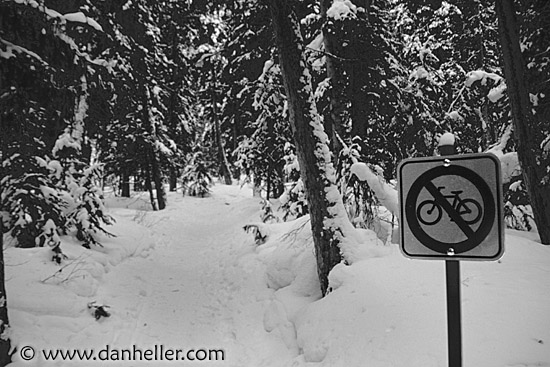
[
  {"x": 10, "y": 48},
  {"x": 384, "y": 192},
  {"x": 509, "y": 162},
  {"x": 77, "y": 17},
  {"x": 497, "y": 92}
]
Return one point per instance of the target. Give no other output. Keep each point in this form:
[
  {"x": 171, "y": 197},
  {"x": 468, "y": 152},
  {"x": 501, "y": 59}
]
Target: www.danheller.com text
[{"x": 158, "y": 352}]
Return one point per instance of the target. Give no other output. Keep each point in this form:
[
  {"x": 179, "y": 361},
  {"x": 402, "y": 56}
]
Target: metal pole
[
  {"x": 452, "y": 272},
  {"x": 454, "y": 332}
]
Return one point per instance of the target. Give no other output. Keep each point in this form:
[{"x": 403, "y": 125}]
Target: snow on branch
[
  {"x": 342, "y": 9},
  {"x": 509, "y": 162},
  {"x": 384, "y": 192},
  {"x": 10, "y": 48},
  {"x": 260, "y": 231},
  {"x": 474, "y": 76},
  {"x": 72, "y": 44},
  {"x": 78, "y": 17},
  {"x": 497, "y": 92}
]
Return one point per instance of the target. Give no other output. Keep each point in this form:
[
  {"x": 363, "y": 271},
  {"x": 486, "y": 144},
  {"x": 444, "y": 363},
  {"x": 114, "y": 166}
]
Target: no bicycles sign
[{"x": 451, "y": 207}]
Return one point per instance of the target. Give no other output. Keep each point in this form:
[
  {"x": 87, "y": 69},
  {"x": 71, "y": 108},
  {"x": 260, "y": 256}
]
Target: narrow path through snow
[{"x": 201, "y": 287}]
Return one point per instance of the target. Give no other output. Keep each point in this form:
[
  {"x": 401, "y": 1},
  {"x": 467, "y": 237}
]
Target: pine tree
[
  {"x": 196, "y": 179},
  {"x": 531, "y": 130},
  {"x": 44, "y": 89},
  {"x": 149, "y": 114},
  {"x": 326, "y": 208}
]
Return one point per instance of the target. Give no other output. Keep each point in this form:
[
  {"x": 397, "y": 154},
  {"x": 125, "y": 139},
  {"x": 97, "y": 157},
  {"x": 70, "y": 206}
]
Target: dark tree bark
[
  {"x": 154, "y": 172},
  {"x": 5, "y": 344},
  {"x": 224, "y": 171},
  {"x": 173, "y": 104},
  {"x": 325, "y": 203},
  {"x": 334, "y": 124},
  {"x": 125, "y": 185},
  {"x": 158, "y": 179},
  {"x": 528, "y": 138},
  {"x": 149, "y": 187},
  {"x": 138, "y": 182},
  {"x": 173, "y": 179}
]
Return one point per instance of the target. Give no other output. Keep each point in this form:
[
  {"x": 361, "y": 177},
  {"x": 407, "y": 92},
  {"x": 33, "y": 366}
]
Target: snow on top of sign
[{"x": 447, "y": 139}]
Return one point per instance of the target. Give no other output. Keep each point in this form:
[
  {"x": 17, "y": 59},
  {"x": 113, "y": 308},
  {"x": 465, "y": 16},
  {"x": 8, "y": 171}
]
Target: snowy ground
[{"x": 190, "y": 278}]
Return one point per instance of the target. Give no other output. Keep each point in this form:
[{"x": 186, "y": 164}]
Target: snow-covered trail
[{"x": 201, "y": 287}]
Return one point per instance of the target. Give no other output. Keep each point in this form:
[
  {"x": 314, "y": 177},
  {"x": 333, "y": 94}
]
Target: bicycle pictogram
[{"x": 430, "y": 212}]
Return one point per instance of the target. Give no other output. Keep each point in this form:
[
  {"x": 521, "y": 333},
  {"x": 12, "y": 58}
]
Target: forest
[{"x": 150, "y": 96}]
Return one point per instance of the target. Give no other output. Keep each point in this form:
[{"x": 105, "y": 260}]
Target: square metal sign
[{"x": 451, "y": 207}]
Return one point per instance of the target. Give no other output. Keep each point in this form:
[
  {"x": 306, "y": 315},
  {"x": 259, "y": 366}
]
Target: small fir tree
[{"x": 196, "y": 179}]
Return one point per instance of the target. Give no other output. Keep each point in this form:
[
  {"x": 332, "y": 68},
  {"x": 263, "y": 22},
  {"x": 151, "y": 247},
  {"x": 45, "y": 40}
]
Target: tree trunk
[
  {"x": 358, "y": 78},
  {"x": 125, "y": 185},
  {"x": 138, "y": 182},
  {"x": 256, "y": 186},
  {"x": 149, "y": 186},
  {"x": 173, "y": 179},
  {"x": 325, "y": 203},
  {"x": 5, "y": 344},
  {"x": 173, "y": 105},
  {"x": 225, "y": 173},
  {"x": 158, "y": 179},
  {"x": 268, "y": 183},
  {"x": 527, "y": 137},
  {"x": 334, "y": 121},
  {"x": 154, "y": 171}
]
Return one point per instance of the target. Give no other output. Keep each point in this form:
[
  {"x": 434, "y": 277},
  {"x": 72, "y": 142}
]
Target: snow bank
[
  {"x": 48, "y": 303},
  {"x": 291, "y": 271},
  {"x": 262, "y": 304},
  {"x": 390, "y": 311},
  {"x": 386, "y": 310}
]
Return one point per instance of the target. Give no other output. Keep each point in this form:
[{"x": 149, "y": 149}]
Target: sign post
[
  {"x": 454, "y": 306},
  {"x": 454, "y": 319},
  {"x": 451, "y": 209}
]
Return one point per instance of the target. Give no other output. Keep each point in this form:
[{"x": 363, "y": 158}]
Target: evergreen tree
[
  {"x": 526, "y": 93},
  {"x": 196, "y": 179},
  {"x": 43, "y": 87},
  {"x": 317, "y": 172},
  {"x": 149, "y": 121}
]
